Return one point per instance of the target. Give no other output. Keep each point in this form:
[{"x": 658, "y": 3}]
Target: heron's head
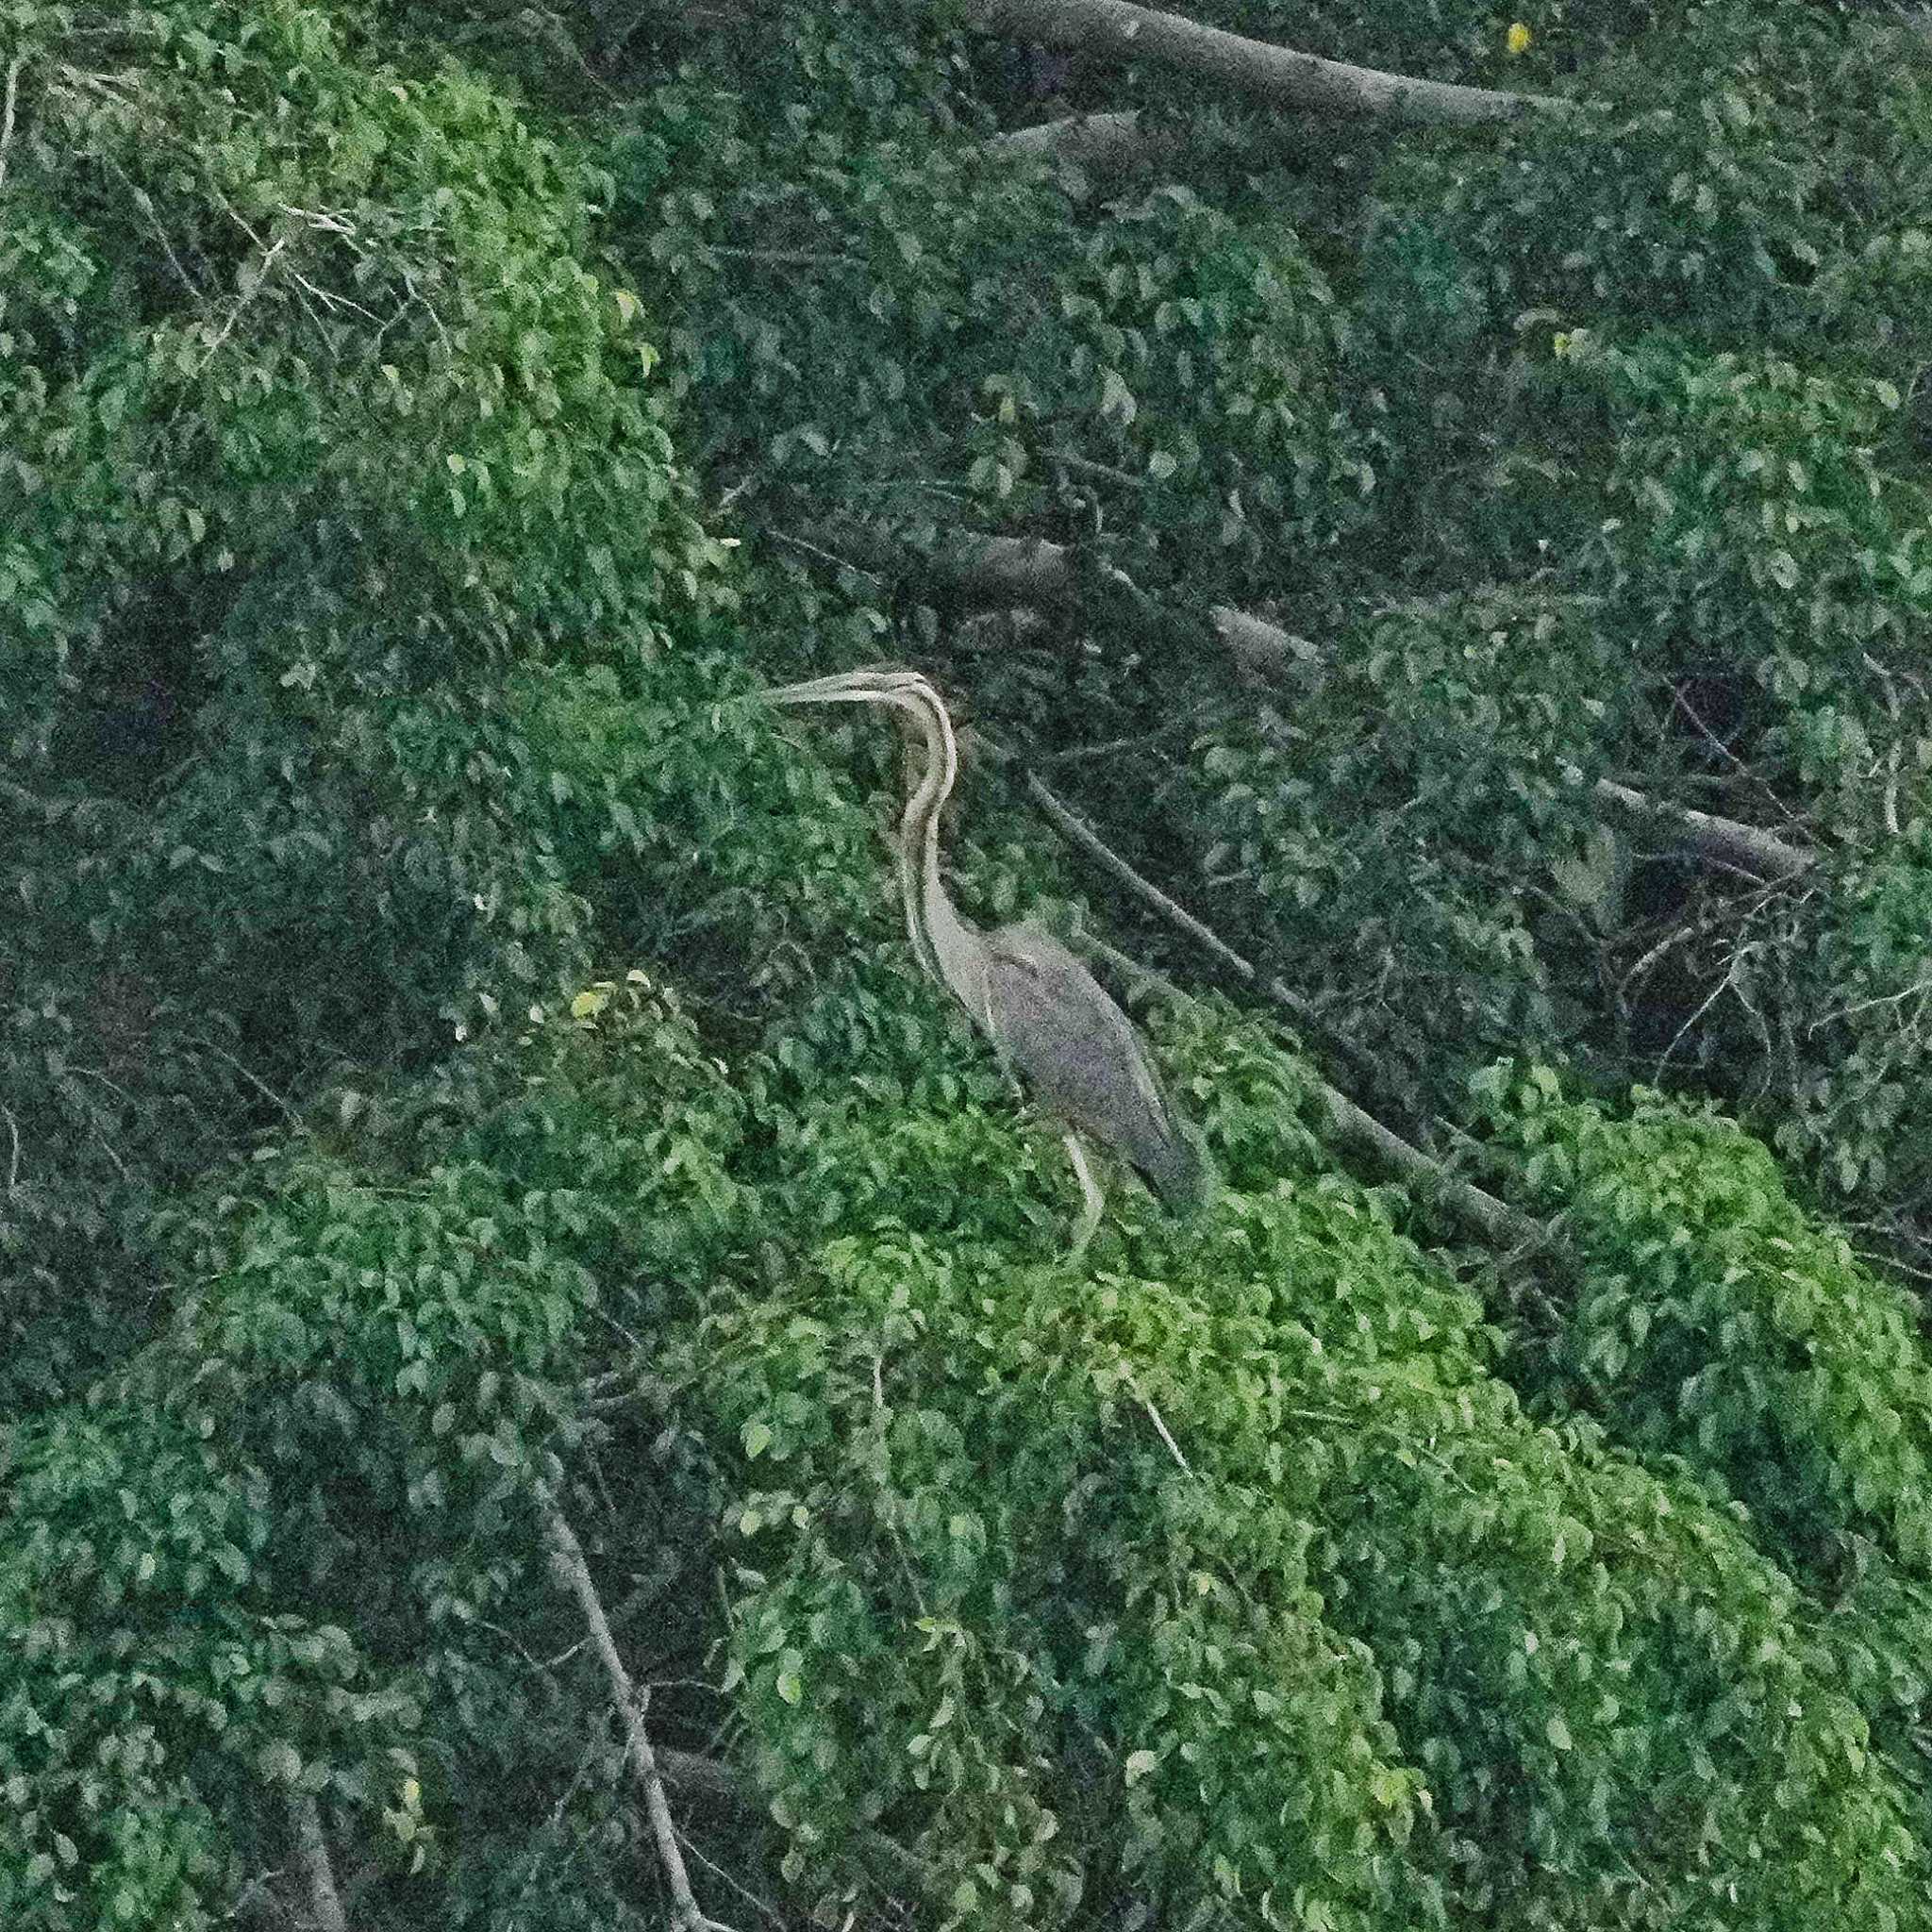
[{"x": 879, "y": 684}]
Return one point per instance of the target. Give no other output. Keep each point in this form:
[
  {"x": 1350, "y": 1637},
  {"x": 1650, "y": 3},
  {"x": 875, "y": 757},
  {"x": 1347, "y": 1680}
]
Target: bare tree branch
[
  {"x": 567, "y": 1557},
  {"x": 13, "y": 68},
  {"x": 312, "y": 1848},
  {"x": 1078, "y": 832},
  {"x": 1761, "y": 853},
  {"x": 1033, "y": 570},
  {"x": 1494, "y": 1217},
  {"x": 1278, "y": 75},
  {"x": 1108, "y": 144}
]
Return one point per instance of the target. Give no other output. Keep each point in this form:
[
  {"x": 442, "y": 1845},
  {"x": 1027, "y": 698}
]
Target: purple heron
[{"x": 1046, "y": 1016}]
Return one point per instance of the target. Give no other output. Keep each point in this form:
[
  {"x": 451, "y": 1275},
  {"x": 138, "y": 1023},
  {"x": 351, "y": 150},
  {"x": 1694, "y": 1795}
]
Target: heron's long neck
[{"x": 938, "y": 935}]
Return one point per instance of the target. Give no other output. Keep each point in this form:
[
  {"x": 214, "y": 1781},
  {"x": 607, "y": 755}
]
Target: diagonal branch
[
  {"x": 1279, "y": 76},
  {"x": 1493, "y": 1217},
  {"x": 1761, "y": 853},
  {"x": 1078, "y": 832},
  {"x": 567, "y": 1558}
]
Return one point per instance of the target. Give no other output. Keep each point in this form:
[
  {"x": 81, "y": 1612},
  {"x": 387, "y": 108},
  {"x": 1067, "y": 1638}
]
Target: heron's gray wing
[{"x": 1055, "y": 1024}]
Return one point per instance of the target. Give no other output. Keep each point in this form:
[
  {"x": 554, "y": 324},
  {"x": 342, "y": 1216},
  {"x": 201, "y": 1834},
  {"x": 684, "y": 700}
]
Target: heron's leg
[{"x": 1095, "y": 1200}]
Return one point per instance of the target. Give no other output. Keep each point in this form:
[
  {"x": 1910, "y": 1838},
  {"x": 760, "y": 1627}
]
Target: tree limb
[
  {"x": 1279, "y": 76},
  {"x": 1105, "y": 146},
  {"x": 1494, "y": 1217},
  {"x": 312, "y": 1849},
  {"x": 567, "y": 1557},
  {"x": 13, "y": 68},
  {"x": 1078, "y": 832},
  {"x": 1033, "y": 570},
  {"x": 1761, "y": 853}
]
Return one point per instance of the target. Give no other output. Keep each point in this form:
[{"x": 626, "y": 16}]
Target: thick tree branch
[
  {"x": 1759, "y": 852},
  {"x": 567, "y": 1557},
  {"x": 312, "y": 1850},
  {"x": 1278, "y": 75},
  {"x": 1102, "y": 144},
  {"x": 1105, "y": 146},
  {"x": 1000, "y": 571}
]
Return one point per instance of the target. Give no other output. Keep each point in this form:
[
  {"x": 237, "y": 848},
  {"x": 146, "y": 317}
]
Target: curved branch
[{"x": 1279, "y": 76}]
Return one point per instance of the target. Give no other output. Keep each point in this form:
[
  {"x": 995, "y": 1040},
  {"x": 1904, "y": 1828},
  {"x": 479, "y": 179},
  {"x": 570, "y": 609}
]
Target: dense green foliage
[{"x": 460, "y": 1060}]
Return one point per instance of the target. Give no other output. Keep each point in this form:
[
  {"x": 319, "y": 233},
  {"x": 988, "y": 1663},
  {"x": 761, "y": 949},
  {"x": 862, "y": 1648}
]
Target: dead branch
[
  {"x": 1278, "y": 77},
  {"x": 567, "y": 1557}
]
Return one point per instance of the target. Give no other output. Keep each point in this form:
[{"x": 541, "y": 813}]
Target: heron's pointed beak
[{"x": 817, "y": 691}]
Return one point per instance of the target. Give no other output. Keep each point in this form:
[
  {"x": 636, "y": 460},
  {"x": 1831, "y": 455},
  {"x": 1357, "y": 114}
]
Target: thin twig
[
  {"x": 1078, "y": 833},
  {"x": 242, "y": 302},
  {"x": 13, "y": 1164},
  {"x": 789, "y": 257},
  {"x": 1154, "y": 1416},
  {"x": 1889, "y": 999},
  {"x": 826, "y": 555},
  {"x": 567, "y": 1556},
  {"x": 255, "y": 1081},
  {"x": 1890, "y": 799},
  {"x": 1104, "y": 473},
  {"x": 1704, "y": 1005}
]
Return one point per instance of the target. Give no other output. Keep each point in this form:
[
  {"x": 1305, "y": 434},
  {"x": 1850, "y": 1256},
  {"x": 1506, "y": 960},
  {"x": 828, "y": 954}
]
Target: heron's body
[{"x": 1046, "y": 1016}]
